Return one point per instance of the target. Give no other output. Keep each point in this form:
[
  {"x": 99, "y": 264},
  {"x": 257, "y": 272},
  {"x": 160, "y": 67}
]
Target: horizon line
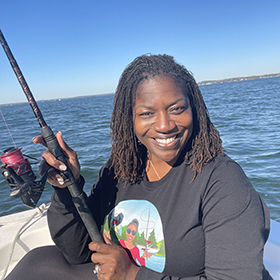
[{"x": 202, "y": 83}]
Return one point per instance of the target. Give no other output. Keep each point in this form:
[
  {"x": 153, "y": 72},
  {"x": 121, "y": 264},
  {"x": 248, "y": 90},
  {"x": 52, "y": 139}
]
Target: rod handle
[{"x": 78, "y": 196}]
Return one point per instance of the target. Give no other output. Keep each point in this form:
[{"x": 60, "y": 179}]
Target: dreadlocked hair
[{"x": 128, "y": 155}]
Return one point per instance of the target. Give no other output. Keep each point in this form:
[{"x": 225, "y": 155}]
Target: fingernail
[
  {"x": 60, "y": 181},
  {"x": 62, "y": 167}
]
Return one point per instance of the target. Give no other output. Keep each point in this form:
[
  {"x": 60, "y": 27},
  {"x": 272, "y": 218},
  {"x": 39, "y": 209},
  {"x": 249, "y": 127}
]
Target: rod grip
[{"x": 78, "y": 196}]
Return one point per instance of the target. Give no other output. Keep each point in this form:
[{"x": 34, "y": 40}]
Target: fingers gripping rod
[{"x": 78, "y": 196}]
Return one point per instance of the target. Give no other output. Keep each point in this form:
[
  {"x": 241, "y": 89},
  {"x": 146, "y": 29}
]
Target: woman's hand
[
  {"x": 113, "y": 261},
  {"x": 49, "y": 160}
]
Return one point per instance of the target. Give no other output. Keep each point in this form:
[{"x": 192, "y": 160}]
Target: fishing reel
[{"x": 18, "y": 173}]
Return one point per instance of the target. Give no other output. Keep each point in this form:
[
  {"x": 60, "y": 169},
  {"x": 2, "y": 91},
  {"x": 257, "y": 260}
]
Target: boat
[
  {"x": 20, "y": 233},
  {"x": 148, "y": 248},
  {"x": 23, "y": 231}
]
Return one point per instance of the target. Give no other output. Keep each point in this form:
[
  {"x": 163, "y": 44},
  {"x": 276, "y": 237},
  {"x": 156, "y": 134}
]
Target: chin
[{"x": 170, "y": 159}]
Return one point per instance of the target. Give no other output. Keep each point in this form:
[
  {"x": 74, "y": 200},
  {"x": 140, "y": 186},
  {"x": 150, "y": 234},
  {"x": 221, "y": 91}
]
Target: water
[{"x": 246, "y": 113}]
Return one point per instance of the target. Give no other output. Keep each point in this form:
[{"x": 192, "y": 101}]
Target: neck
[{"x": 155, "y": 171}]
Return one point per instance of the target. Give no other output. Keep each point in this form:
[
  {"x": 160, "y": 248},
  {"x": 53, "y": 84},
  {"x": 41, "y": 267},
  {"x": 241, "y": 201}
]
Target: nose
[{"x": 163, "y": 123}]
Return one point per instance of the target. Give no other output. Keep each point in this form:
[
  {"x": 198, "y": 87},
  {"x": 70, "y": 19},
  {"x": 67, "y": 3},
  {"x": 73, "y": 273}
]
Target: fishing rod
[{"x": 78, "y": 196}]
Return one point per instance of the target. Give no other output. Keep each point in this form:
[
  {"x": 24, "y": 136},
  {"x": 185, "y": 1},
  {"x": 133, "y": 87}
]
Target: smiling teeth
[{"x": 165, "y": 140}]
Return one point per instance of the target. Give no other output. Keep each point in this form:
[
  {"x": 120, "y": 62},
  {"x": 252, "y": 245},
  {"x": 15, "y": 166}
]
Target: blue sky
[{"x": 73, "y": 48}]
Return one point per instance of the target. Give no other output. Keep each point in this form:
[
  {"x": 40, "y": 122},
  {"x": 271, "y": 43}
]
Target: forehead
[
  {"x": 158, "y": 88},
  {"x": 132, "y": 226}
]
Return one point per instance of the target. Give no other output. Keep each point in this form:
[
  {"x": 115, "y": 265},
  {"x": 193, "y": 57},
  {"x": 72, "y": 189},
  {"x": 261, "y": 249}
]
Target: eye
[
  {"x": 177, "y": 109},
  {"x": 145, "y": 114}
]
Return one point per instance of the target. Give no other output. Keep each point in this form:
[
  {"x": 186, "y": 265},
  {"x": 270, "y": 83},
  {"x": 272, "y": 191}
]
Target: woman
[
  {"x": 205, "y": 217},
  {"x": 131, "y": 232}
]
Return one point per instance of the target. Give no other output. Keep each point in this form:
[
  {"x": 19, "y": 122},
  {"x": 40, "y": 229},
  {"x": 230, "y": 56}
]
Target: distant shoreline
[
  {"x": 56, "y": 99},
  {"x": 209, "y": 82}
]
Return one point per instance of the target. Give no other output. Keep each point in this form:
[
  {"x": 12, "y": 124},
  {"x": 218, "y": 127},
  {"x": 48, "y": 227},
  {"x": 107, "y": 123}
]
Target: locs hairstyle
[{"x": 128, "y": 156}]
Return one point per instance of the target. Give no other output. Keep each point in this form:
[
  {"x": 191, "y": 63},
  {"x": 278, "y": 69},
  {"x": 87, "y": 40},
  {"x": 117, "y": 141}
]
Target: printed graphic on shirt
[{"x": 136, "y": 225}]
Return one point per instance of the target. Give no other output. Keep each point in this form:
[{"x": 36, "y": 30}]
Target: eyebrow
[{"x": 173, "y": 103}]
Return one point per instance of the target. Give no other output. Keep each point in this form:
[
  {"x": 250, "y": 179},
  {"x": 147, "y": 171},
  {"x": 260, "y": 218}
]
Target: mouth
[{"x": 165, "y": 141}]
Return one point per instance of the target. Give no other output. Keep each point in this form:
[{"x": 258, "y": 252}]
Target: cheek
[
  {"x": 140, "y": 128},
  {"x": 189, "y": 120}
]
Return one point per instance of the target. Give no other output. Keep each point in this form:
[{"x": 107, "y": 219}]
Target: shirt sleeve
[
  {"x": 66, "y": 227},
  {"x": 236, "y": 226}
]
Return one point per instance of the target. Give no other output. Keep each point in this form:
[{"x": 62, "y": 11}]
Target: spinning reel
[{"x": 19, "y": 175}]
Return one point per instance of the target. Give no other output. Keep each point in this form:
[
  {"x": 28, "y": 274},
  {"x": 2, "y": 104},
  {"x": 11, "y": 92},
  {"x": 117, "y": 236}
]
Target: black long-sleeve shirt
[{"x": 213, "y": 228}]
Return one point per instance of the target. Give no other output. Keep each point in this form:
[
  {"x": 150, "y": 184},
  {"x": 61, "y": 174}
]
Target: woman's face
[
  {"x": 162, "y": 119},
  {"x": 131, "y": 232}
]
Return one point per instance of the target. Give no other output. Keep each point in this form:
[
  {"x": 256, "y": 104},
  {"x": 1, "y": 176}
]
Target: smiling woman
[
  {"x": 162, "y": 123},
  {"x": 194, "y": 214},
  {"x": 149, "y": 70}
]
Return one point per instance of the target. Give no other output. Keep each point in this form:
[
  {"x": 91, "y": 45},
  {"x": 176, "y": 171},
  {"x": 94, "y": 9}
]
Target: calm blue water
[{"x": 247, "y": 114}]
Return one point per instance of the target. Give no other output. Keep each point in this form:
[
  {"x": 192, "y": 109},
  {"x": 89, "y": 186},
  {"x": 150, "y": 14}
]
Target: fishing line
[{"x": 8, "y": 128}]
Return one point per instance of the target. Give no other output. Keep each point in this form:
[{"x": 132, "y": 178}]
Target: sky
[{"x": 75, "y": 48}]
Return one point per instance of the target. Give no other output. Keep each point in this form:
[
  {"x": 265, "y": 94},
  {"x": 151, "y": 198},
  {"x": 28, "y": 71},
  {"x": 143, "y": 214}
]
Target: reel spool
[
  {"x": 13, "y": 158},
  {"x": 19, "y": 175}
]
